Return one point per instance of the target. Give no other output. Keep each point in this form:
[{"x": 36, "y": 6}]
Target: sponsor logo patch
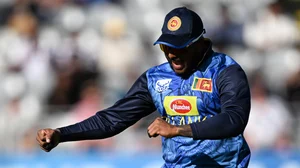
[
  {"x": 202, "y": 84},
  {"x": 181, "y": 105},
  {"x": 162, "y": 85}
]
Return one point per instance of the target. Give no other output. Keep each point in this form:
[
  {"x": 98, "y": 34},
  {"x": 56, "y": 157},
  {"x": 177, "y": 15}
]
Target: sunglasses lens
[
  {"x": 164, "y": 48},
  {"x": 161, "y": 47}
]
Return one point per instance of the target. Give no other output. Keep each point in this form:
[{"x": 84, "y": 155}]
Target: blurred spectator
[
  {"x": 46, "y": 10},
  {"x": 120, "y": 57},
  {"x": 272, "y": 29},
  {"x": 227, "y": 32},
  {"x": 270, "y": 121},
  {"x": 89, "y": 103},
  {"x": 278, "y": 64},
  {"x": 19, "y": 114},
  {"x": 293, "y": 80},
  {"x": 21, "y": 52},
  {"x": 74, "y": 57},
  {"x": 73, "y": 64},
  {"x": 273, "y": 34},
  {"x": 293, "y": 96},
  {"x": 70, "y": 79},
  {"x": 293, "y": 91}
]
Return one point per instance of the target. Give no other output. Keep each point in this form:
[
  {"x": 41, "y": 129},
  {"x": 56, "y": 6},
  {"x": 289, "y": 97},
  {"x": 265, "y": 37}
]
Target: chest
[{"x": 194, "y": 96}]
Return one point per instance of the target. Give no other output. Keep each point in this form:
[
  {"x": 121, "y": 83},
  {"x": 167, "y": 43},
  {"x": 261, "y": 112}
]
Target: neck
[{"x": 205, "y": 52}]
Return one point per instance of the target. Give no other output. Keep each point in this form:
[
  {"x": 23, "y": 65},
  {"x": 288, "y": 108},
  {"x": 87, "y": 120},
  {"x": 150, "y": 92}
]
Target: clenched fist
[
  {"x": 160, "y": 127},
  {"x": 48, "y": 138}
]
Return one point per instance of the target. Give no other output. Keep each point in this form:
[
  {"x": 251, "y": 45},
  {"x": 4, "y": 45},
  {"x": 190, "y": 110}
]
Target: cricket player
[{"x": 202, "y": 95}]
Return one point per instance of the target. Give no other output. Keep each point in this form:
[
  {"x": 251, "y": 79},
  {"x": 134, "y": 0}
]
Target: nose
[
  {"x": 172, "y": 55},
  {"x": 176, "y": 52}
]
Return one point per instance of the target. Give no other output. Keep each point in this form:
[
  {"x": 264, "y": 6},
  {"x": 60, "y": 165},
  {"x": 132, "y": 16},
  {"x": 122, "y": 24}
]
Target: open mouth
[{"x": 177, "y": 64}]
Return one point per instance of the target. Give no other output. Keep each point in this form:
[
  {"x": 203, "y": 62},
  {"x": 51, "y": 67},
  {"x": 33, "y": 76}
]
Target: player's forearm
[
  {"x": 105, "y": 123},
  {"x": 136, "y": 104},
  {"x": 184, "y": 130},
  {"x": 95, "y": 127},
  {"x": 218, "y": 127},
  {"x": 235, "y": 99}
]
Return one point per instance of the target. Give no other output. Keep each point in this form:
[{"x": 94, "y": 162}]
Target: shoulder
[
  {"x": 162, "y": 68},
  {"x": 223, "y": 59},
  {"x": 216, "y": 63},
  {"x": 220, "y": 61}
]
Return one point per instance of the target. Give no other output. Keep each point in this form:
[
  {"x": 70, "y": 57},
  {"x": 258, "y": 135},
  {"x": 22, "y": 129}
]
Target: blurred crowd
[{"x": 63, "y": 60}]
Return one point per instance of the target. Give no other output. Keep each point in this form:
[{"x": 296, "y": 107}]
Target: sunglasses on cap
[{"x": 166, "y": 48}]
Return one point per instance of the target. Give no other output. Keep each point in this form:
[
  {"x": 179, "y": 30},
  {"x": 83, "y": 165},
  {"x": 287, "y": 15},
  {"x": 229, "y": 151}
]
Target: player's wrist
[
  {"x": 176, "y": 130},
  {"x": 184, "y": 130},
  {"x": 57, "y": 134}
]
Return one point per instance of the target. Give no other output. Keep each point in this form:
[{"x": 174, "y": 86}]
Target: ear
[{"x": 200, "y": 43}]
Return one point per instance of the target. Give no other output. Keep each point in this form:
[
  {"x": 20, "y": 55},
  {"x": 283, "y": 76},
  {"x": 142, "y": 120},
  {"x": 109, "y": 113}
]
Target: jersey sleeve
[
  {"x": 234, "y": 96},
  {"x": 136, "y": 104}
]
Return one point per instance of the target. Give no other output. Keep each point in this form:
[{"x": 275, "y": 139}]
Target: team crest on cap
[{"x": 174, "y": 23}]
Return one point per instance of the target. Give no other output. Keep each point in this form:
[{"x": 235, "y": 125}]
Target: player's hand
[
  {"x": 48, "y": 138},
  {"x": 160, "y": 127}
]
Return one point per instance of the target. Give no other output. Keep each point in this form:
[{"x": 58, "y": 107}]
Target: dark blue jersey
[{"x": 214, "y": 100}]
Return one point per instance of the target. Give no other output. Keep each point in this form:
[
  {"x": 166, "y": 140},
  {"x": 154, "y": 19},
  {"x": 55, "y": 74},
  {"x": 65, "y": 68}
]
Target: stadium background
[{"x": 63, "y": 60}]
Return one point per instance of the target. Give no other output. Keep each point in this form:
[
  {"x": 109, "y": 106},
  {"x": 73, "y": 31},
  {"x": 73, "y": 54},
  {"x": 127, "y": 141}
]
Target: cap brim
[{"x": 173, "y": 41}]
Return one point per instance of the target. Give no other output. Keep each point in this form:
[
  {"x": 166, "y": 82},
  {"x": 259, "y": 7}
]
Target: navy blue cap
[{"x": 181, "y": 28}]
